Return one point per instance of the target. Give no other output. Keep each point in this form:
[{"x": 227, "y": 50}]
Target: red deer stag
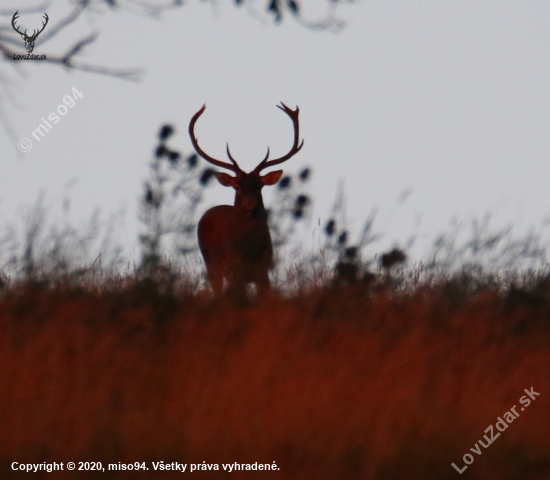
[{"x": 234, "y": 240}]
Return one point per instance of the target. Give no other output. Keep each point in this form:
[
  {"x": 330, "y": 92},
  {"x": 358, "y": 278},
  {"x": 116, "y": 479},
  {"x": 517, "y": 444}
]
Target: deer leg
[
  {"x": 217, "y": 285},
  {"x": 263, "y": 284},
  {"x": 215, "y": 278},
  {"x": 237, "y": 283}
]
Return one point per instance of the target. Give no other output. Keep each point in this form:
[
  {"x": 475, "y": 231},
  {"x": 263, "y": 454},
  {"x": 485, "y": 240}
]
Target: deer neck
[{"x": 250, "y": 208}]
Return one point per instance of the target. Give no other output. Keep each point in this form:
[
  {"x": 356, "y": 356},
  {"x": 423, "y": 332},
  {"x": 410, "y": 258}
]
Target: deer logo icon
[{"x": 28, "y": 39}]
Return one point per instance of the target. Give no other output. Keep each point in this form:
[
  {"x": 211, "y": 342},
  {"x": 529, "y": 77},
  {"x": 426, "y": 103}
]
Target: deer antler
[
  {"x": 293, "y": 114},
  {"x": 13, "y": 19},
  {"x": 43, "y": 26},
  {"x": 35, "y": 32},
  {"x": 234, "y": 168}
]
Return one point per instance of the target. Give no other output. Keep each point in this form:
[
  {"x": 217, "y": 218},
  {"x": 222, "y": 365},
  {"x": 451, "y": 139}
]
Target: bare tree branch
[
  {"x": 68, "y": 59},
  {"x": 37, "y": 8},
  {"x": 10, "y": 41},
  {"x": 130, "y": 74},
  {"x": 70, "y": 18},
  {"x": 277, "y": 9}
]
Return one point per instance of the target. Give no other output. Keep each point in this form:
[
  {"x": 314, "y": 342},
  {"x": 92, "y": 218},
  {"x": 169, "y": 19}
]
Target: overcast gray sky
[{"x": 447, "y": 100}]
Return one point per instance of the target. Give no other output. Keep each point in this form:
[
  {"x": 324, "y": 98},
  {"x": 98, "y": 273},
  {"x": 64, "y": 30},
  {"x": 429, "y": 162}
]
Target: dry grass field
[{"x": 347, "y": 383}]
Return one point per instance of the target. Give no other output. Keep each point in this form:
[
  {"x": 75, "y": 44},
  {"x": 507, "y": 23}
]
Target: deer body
[
  {"x": 234, "y": 240},
  {"x": 234, "y": 247}
]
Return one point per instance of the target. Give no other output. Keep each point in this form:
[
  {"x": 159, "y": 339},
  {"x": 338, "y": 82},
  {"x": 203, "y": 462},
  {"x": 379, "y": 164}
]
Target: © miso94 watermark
[
  {"x": 38, "y": 133},
  {"x": 501, "y": 425}
]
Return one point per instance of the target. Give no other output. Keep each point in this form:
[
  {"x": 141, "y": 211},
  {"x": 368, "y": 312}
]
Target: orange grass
[{"x": 332, "y": 384}]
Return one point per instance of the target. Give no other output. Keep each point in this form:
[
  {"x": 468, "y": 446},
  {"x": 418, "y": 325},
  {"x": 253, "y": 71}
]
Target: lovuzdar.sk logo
[{"x": 29, "y": 39}]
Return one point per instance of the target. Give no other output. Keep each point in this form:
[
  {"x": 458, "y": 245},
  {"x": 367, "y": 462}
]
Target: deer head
[
  {"x": 29, "y": 40},
  {"x": 248, "y": 185}
]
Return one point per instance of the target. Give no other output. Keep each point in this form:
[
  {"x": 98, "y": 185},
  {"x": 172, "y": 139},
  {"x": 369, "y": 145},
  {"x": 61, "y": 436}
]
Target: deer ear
[
  {"x": 271, "y": 178},
  {"x": 225, "y": 179}
]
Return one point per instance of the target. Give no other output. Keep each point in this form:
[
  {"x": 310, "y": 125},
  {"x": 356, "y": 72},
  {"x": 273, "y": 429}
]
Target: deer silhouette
[
  {"x": 29, "y": 40},
  {"x": 234, "y": 240}
]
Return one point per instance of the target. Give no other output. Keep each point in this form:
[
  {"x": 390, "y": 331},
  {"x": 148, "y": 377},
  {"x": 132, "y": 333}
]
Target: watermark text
[
  {"x": 39, "y": 132},
  {"x": 500, "y": 425}
]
